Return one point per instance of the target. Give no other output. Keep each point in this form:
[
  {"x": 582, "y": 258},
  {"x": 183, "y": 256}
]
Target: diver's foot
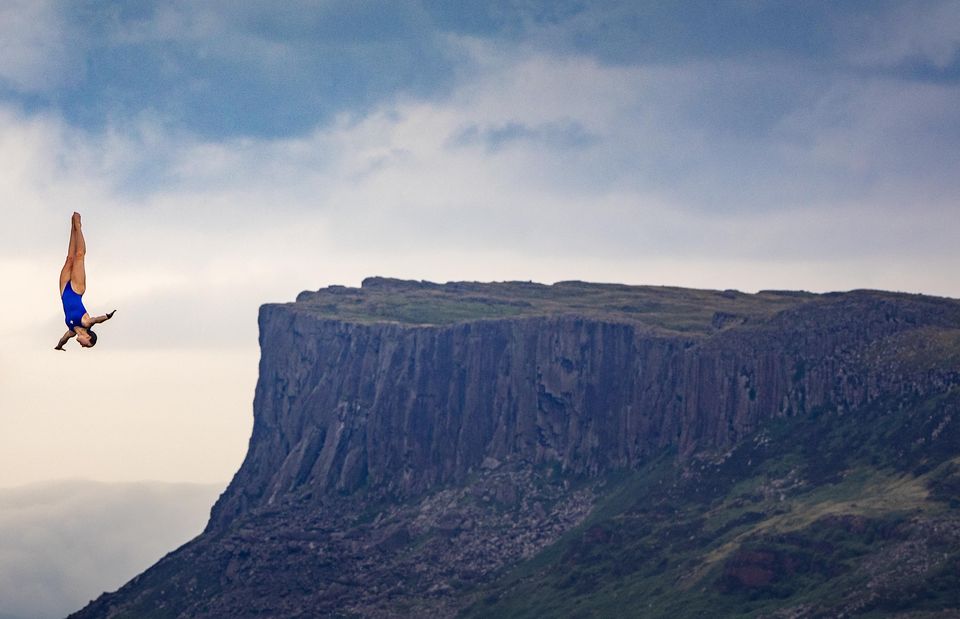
[{"x": 76, "y": 219}]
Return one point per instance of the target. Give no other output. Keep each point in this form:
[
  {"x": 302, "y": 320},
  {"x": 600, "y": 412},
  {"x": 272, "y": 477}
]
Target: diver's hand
[{"x": 63, "y": 340}]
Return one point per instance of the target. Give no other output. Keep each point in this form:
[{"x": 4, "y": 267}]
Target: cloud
[
  {"x": 553, "y": 135},
  {"x": 64, "y": 543},
  {"x": 915, "y": 40},
  {"x": 536, "y": 153},
  {"x": 221, "y": 68},
  {"x": 226, "y": 69}
]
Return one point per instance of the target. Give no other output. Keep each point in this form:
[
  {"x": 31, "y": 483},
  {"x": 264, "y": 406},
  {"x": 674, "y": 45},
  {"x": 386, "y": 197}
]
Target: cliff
[
  {"x": 394, "y": 418},
  {"x": 405, "y": 407}
]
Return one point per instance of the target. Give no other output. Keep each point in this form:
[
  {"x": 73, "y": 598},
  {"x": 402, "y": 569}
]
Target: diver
[{"x": 73, "y": 283}]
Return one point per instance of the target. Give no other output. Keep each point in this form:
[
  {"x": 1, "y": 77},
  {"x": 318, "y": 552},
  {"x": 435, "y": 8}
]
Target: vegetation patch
[
  {"x": 766, "y": 526},
  {"x": 677, "y": 310}
]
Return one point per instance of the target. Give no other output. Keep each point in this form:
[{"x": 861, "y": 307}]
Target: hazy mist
[{"x": 64, "y": 543}]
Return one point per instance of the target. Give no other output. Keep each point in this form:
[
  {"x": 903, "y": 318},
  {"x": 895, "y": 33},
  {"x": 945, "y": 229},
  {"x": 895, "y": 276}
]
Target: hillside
[{"x": 584, "y": 449}]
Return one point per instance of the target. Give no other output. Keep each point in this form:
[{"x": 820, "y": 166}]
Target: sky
[{"x": 229, "y": 154}]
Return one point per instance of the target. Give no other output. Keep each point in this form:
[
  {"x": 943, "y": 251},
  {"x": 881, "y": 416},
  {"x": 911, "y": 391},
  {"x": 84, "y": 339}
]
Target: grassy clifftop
[{"x": 425, "y": 303}]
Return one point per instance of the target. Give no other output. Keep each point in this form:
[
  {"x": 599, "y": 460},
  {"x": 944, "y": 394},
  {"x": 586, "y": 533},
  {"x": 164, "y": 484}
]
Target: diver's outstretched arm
[
  {"x": 104, "y": 318},
  {"x": 63, "y": 340}
]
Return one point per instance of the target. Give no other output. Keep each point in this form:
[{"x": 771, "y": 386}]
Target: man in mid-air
[{"x": 73, "y": 283}]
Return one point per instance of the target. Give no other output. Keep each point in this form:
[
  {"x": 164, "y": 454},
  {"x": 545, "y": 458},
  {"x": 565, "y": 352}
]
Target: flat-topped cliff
[{"x": 406, "y": 385}]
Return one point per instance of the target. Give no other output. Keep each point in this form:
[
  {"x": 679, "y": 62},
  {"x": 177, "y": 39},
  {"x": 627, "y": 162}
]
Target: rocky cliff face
[
  {"x": 421, "y": 414},
  {"x": 406, "y": 408}
]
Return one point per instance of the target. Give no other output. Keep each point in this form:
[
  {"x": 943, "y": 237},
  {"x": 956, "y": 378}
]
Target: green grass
[
  {"x": 679, "y": 310},
  {"x": 666, "y": 539}
]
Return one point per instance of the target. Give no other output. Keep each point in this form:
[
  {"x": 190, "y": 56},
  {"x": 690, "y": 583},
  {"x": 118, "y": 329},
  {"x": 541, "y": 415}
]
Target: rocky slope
[{"x": 416, "y": 444}]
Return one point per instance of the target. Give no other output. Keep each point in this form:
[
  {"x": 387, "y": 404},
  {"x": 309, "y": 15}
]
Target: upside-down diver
[{"x": 73, "y": 283}]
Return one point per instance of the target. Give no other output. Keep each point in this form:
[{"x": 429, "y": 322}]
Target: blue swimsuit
[{"x": 73, "y": 308}]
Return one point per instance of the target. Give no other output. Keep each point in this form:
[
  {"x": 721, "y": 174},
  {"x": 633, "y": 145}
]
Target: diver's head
[{"x": 88, "y": 339}]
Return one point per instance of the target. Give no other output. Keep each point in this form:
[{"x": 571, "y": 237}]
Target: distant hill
[{"x": 579, "y": 450}]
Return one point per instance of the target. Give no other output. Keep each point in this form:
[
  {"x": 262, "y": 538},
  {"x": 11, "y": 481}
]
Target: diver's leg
[
  {"x": 67, "y": 269},
  {"x": 78, "y": 273}
]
